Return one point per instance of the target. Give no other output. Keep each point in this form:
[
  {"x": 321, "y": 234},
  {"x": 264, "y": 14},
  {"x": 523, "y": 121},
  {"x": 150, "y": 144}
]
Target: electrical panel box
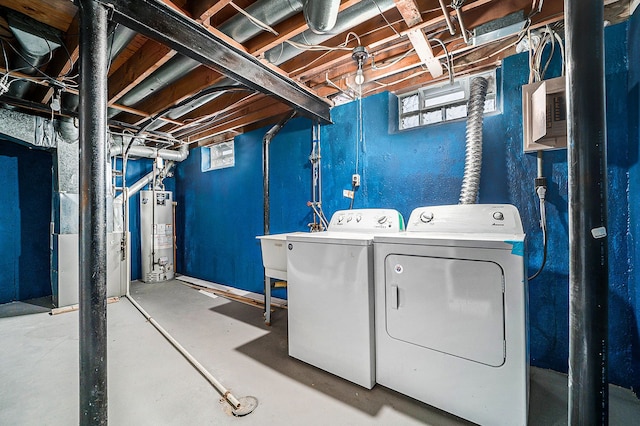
[{"x": 544, "y": 113}]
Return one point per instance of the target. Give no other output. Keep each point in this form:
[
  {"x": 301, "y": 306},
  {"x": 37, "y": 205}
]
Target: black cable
[
  {"x": 353, "y": 196},
  {"x": 544, "y": 252}
]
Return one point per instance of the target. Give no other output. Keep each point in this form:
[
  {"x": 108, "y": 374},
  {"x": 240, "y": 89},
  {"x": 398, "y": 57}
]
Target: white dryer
[
  {"x": 451, "y": 312},
  {"x": 330, "y": 293}
]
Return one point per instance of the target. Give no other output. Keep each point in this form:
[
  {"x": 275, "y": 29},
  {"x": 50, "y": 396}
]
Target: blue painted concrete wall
[
  {"x": 633, "y": 240},
  {"x": 25, "y": 213},
  {"x": 220, "y": 212}
]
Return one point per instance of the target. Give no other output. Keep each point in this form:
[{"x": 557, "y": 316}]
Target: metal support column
[
  {"x": 588, "y": 264},
  {"x": 266, "y": 142},
  {"x": 93, "y": 212}
]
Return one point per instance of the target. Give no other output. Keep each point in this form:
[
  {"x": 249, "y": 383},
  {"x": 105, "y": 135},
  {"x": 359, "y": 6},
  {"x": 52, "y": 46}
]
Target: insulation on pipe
[{"x": 473, "y": 158}]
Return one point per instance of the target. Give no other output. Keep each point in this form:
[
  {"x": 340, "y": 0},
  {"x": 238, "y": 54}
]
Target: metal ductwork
[
  {"x": 346, "y": 20},
  {"x": 239, "y": 27},
  {"x": 36, "y": 43},
  {"x": 118, "y": 40},
  {"x": 150, "y": 152},
  {"x": 321, "y": 15},
  {"x": 269, "y": 12}
]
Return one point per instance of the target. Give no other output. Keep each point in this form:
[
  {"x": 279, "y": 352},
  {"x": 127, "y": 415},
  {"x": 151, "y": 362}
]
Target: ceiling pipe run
[
  {"x": 347, "y": 19},
  {"x": 150, "y": 152},
  {"x": 36, "y": 42},
  {"x": 321, "y": 15},
  {"x": 588, "y": 212},
  {"x": 239, "y": 27}
]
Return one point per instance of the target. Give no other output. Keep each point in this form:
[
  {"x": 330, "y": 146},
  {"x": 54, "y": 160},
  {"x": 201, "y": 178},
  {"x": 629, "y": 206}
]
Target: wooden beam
[
  {"x": 126, "y": 54},
  {"x": 195, "y": 81},
  {"x": 56, "y": 13},
  {"x": 145, "y": 61},
  {"x": 410, "y": 11},
  {"x": 203, "y": 10},
  {"x": 286, "y": 30},
  {"x": 65, "y": 57},
  {"x": 278, "y": 108}
]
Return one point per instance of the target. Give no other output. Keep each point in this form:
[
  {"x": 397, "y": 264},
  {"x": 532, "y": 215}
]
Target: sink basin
[{"x": 274, "y": 254}]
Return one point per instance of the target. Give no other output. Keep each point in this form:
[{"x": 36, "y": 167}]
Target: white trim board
[{"x": 280, "y": 303}]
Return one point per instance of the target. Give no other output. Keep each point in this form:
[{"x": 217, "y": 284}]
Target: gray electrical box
[{"x": 544, "y": 115}]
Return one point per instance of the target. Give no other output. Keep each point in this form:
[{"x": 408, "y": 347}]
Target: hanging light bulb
[
  {"x": 360, "y": 55},
  {"x": 359, "y": 76},
  {"x": 55, "y": 102}
]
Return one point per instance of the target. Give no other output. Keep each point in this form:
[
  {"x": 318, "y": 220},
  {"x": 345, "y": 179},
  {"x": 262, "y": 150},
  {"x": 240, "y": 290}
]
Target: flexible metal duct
[
  {"x": 473, "y": 158},
  {"x": 347, "y": 19},
  {"x": 321, "y": 15}
]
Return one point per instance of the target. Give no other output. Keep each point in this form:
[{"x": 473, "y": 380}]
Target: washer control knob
[
  {"x": 426, "y": 217},
  {"x": 349, "y": 218},
  {"x": 358, "y": 217},
  {"x": 340, "y": 218},
  {"x": 382, "y": 219},
  {"x": 498, "y": 216}
]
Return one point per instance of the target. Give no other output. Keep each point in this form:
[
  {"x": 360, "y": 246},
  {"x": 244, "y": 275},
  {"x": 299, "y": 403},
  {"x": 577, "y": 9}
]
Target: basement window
[
  {"x": 443, "y": 102},
  {"x": 217, "y": 156}
]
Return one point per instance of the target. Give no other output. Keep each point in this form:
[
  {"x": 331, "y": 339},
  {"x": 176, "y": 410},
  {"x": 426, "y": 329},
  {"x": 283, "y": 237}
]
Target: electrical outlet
[{"x": 355, "y": 180}]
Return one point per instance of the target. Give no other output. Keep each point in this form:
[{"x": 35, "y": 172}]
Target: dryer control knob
[
  {"x": 426, "y": 217},
  {"x": 498, "y": 216}
]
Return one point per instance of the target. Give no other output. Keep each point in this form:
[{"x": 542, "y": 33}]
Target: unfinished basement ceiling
[{"x": 153, "y": 88}]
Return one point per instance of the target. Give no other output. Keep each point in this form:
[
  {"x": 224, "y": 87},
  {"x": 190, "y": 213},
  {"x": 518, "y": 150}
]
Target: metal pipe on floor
[
  {"x": 93, "y": 213},
  {"x": 588, "y": 262}
]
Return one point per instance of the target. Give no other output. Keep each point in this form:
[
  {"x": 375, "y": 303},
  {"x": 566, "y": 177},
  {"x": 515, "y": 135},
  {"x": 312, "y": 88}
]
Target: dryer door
[{"x": 454, "y": 306}]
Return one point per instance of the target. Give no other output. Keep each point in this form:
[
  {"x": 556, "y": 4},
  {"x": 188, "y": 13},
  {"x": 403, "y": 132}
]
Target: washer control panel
[
  {"x": 367, "y": 220},
  {"x": 471, "y": 218}
]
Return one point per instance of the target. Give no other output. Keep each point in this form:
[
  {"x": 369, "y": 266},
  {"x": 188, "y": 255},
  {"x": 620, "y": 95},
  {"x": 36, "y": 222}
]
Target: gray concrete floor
[{"x": 150, "y": 383}]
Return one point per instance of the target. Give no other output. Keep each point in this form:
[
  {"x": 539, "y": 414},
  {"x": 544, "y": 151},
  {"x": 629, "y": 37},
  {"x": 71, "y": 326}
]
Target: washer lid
[{"x": 331, "y": 237}]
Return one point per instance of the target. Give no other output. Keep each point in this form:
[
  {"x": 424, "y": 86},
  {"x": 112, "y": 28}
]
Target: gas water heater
[{"x": 156, "y": 235}]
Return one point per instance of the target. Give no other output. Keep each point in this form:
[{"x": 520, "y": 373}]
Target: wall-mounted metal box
[{"x": 544, "y": 115}]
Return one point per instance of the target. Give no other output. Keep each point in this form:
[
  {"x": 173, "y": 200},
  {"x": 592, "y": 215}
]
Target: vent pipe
[
  {"x": 347, "y": 19},
  {"x": 321, "y": 15},
  {"x": 473, "y": 158}
]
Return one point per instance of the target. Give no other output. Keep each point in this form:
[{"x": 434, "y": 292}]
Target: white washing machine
[
  {"x": 330, "y": 293},
  {"x": 451, "y": 312}
]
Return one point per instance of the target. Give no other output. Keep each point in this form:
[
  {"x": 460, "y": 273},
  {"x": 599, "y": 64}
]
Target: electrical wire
[{"x": 543, "y": 225}]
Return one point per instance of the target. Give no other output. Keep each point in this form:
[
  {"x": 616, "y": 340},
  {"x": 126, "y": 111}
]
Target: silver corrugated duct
[
  {"x": 321, "y": 15},
  {"x": 473, "y": 159},
  {"x": 347, "y": 19}
]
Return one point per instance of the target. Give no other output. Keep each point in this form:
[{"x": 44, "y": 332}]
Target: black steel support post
[
  {"x": 93, "y": 212},
  {"x": 588, "y": 263}
]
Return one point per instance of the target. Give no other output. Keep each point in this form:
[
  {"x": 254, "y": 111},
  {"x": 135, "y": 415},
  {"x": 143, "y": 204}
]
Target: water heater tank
[{"x": 156, "y": 235}]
